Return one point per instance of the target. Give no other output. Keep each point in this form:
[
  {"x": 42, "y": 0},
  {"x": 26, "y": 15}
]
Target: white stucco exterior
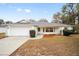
[
  {"x": 3, "y": 29},
  {"x": 24, "y": 30},
  {"x": 17, "y": 30},
  {"x": 58, "y": 30},
  {"x": 20, "y": 31}
]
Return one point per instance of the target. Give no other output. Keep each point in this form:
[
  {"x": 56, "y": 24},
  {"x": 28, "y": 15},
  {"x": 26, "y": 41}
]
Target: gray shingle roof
[
  {"x": 45, "y": 24},
  {"x": 38, "y": 24}
]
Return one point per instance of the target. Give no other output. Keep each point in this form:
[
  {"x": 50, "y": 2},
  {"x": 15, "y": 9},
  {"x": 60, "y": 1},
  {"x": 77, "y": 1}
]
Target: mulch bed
[{"x": 50, "y": 35}]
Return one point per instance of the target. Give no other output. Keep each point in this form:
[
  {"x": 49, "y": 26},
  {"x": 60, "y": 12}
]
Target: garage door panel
[{"x": 19, "y": 31}]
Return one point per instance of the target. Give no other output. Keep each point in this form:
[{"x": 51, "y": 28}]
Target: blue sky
[{"x": 18, "y": 11}]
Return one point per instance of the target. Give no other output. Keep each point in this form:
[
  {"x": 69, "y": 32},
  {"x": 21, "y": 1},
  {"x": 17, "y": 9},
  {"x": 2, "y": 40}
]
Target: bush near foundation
[{"x": 67, "y": 32}]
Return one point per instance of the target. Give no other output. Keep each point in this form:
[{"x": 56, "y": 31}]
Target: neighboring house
[{"x": 41, "y": 28}]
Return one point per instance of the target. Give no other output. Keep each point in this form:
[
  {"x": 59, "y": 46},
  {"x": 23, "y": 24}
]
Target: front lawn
[{"x": 55, "y": 45}]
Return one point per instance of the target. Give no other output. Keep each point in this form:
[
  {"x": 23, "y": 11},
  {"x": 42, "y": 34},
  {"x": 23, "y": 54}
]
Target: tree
[
  {"x": 57, "y": 18},
  {"x": 69, "y": 11},
  {"x": 77, "y": 11},
  {"x": 1, "y": 21},
  {"x": 42, "y": 20},
  {"x": 8, "y": 22}
]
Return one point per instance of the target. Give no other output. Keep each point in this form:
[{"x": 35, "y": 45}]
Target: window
[
  {"x": 38, "y": 29},
  {"x": 49, "y": 29},
  {"x": 43, "y": 29}
]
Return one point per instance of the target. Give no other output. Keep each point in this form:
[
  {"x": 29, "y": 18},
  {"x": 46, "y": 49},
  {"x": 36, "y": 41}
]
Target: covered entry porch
[{"x": 50, "y": 30}]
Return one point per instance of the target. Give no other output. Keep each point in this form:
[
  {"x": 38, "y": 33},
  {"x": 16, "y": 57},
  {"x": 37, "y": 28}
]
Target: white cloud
[
  {"x": 19, "y": 9},
  {"x": 24, "y": 10},
  {"x": 27, "y": 10}
]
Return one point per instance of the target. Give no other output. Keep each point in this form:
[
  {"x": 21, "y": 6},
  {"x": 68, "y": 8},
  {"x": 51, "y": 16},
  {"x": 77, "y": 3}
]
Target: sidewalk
[{"x": 37, "y": 37}]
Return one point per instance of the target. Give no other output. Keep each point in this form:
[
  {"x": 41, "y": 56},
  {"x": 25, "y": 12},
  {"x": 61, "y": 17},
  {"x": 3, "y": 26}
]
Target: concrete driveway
[{"x": 10, "y": 44}]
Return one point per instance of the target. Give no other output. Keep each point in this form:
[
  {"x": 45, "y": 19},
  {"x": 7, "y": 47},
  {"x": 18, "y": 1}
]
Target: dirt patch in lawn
[
  {"x": 50, "y": 35},
  {"x": 52, "y": 46},
  {"x": 2, "y": 35}
]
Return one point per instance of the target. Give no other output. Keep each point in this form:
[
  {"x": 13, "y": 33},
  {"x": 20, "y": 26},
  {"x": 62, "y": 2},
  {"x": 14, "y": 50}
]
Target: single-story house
[{"x": 41, "y": 28}]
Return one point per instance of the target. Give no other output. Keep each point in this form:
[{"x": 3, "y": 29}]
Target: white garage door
[{"x": 17, "y": 31}]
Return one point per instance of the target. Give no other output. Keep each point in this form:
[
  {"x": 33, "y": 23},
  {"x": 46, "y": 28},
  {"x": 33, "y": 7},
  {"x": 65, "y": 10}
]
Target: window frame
[
  {"x": 49, "y": 29},
  {"x": 38, "y": 29}
]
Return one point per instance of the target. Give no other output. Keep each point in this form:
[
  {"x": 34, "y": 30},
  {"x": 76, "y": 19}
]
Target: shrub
[
  {"x": 67, "y": 32},
  {"x": 72, "y": 31}
]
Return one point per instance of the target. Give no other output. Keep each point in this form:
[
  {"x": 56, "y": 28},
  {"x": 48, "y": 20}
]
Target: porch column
[
  {"x": 53, "y": 29},
  {"x": 44, "y": 29},
  {"x": 41, "y": 30}
]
